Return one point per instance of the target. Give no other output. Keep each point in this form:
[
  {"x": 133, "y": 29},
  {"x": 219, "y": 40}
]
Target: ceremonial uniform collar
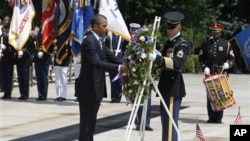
[{"x": 172, "y": 38}]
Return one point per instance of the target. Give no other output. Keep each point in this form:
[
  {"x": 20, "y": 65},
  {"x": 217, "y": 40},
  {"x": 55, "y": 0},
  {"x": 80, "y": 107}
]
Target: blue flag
[
  {"x": 83, "y": 12},
  {"x": 243, "y": 41}
]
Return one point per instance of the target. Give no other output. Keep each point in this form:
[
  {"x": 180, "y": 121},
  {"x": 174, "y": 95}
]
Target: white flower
[
  {"x": 142, "y": 38},
  {"x": 135, "y": 82},
  {"x": 143, "y": 55},
  {"x": 133, "y": 69},
  {"x": 130, "y": 91},
  {"x": 129, "y": 57}
]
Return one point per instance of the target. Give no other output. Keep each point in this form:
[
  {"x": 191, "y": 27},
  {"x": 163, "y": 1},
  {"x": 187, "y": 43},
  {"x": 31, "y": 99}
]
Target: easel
[{"x": 139, "y": 97}]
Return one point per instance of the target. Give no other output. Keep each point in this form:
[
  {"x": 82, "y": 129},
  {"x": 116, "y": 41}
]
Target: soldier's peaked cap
[
  {"x": 134, "y": 25},
  {"x": 216, "y": 27},
  {"x": 173, "y": 17}
]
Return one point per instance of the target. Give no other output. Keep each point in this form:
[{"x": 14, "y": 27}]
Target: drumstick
[{"x": 223, "y": 68}]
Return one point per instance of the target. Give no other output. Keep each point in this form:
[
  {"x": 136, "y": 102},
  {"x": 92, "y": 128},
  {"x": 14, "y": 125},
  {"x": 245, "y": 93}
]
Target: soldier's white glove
[
  {"x": 207, "y": 71},
  {"x": 225, "y": 65},
  {"x": 3, "y": 47},
  {"x": 77, "y": 60},
  {"x": 40, "y": 54},
  {"x": 152, "y": 56},
  {"x": 157, "y": 52}
]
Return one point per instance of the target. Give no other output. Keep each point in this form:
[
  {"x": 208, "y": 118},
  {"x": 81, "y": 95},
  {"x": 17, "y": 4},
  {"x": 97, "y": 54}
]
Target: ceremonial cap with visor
[{"x": 173, "y": 19}]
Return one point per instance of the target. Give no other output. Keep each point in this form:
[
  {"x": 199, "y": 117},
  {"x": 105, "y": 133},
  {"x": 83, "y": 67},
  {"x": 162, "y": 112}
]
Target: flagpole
[
  {"x": 118, "y": 46},
  {"x": 197, "y": 139}
]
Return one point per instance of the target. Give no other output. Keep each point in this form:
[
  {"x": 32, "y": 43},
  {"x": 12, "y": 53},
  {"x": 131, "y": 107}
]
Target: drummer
[{"x": 216, "y": 55}]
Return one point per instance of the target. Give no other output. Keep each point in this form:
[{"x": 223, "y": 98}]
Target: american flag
[
  {"x": 199, "y": 133},
  {"x": 237, "y": 120}
]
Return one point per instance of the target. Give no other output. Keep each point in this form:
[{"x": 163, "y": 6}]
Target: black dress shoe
[
  {"x": 115, "y": 101},
  {"x": 149, "y": 128},
  {"x": 41, "y": 98},
  {"x": 218, "y": 121},
  {"x": 210, "y": 121},
  {"x": 23, "y": 98},
  {"x": 60, "y": 99},
  {"x": 6, "y": 97},
  {"x": 214, "y": 121},
  {"x": 146, "y": 128}
]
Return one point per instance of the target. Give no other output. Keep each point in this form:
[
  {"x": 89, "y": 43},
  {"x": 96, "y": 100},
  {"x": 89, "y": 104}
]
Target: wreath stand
[{"x": 138, "y": 98}]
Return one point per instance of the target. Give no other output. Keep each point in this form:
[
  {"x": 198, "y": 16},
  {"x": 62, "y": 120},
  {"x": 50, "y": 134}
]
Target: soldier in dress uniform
[
  {"x": 6, "y": 23},
  {"x": 171, "y": 83},
  {"x": 216, "y": 55},
  {"x": 61, "y": 74},
  {"x": 6, "y": 63},
  {"x": 112, "y": 42},
  {"x": 133, "y": 28},
  {"x": 42, "y": 61},
  {"x": 23, "y": 60}
]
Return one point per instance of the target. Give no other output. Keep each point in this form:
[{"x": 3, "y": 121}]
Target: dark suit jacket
[{"x": 95, "y": 61}]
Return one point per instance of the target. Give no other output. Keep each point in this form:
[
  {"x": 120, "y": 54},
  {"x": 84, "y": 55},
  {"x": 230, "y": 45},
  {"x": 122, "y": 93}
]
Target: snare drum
[{"x": 219, "y": 93}]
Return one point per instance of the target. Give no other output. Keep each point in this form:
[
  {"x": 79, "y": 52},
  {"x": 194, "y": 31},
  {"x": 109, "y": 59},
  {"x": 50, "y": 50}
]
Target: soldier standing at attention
[
  {"x": 216, "y": 54},
  {"x": 171, "y": 83},
  {"x": 6, "y": 63}
]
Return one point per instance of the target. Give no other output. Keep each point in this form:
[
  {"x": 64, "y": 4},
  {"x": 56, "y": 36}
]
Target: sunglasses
[{"x": 170, "y": 27}]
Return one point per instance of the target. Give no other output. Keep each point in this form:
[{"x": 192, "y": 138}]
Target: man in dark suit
[
  {"x": 96, "y": 58},
  {"x": 171, "y": 83}
]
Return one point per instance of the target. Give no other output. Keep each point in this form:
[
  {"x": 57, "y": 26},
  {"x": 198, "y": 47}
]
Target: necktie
[{"x": 100, "y": 41}]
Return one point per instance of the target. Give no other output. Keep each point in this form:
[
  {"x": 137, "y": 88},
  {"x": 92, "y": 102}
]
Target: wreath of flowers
[{"x": 137, "y": 58}]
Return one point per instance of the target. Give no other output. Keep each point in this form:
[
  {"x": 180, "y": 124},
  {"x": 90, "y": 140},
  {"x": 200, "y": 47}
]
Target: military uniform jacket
[
  {"x": 214, "y": 53},
  {"x": 7, "y": 57},
  {"x": 173, "y": 57},
  {"x": 28, "y": 51},
  {"x": 44, "y": 60}
]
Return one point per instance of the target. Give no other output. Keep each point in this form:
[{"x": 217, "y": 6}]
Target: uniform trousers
[
  {"x": 116, "y": 87},
  {"x": 77, "y": 68},
  {"x": 6, "y": 73},
  {"x": 168, "y": 131},
  {"x": 23, "y": 74},
  {"x": 61, "y": 81},
  {"x": 148, "y": 114},
  {"x": 213, "y": 115},
  {"x": 42, "y": 79}
]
